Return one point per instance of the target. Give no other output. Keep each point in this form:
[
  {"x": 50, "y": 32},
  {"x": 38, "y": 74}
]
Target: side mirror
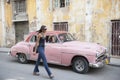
[{"x": 74, "y": 36}]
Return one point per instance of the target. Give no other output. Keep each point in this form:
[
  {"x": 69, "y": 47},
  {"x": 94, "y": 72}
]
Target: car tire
[
  {"x": 22, "y": 58},
  {"x": 80, "y": 65}
]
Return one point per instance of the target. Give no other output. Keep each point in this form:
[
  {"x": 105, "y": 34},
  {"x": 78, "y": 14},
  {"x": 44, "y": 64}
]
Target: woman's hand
[
  {"x": 34, "y": 53},
  {"x": 36, "y": 44}
]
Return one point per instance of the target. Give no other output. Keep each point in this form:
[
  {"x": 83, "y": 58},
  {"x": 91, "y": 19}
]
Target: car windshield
[{"x": 65, "y": 37}]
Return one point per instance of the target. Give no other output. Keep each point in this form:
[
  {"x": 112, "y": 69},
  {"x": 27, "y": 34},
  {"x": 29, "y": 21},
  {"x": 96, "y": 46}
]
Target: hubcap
[
  {"x": 79, "y": 65},
  {"x": 22, "y": 58}
]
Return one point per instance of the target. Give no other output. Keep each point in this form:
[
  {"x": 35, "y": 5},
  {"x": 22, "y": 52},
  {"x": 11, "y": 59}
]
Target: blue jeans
[{"x": 41, "y": 55}]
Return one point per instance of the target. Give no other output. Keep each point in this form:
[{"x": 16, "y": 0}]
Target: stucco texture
[{"x": 88, "y": 20}]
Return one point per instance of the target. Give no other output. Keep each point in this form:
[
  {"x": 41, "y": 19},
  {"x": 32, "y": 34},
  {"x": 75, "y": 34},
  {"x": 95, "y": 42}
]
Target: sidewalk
[
  {"x": 4, "y": 50},
  {"x": 115, "y": 62}
]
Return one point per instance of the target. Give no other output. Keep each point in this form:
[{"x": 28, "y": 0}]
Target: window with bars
[
  {"x": 61, "y": 3},
  {"x": 60, "y": 26},
  {"x": 20, "y": 6}
]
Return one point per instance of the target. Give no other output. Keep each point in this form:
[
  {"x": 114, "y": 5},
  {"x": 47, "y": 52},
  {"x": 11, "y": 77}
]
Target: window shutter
[
  {"x": 67, "y": 2},
  {"x": 56, "y": 3},
  {"x": 51, "y": 5}
]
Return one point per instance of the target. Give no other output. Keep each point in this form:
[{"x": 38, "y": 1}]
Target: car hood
[{"x": 85, "y": 46}]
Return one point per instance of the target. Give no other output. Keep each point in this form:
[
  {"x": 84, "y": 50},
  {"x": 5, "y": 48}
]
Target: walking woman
[{"x": 40, "y": 46}]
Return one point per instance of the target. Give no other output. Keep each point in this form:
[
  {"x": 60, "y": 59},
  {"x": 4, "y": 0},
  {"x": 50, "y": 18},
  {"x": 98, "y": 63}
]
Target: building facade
[
  {"x": 87, "y": 20},
  {"x": 2, "y": 21},
  {"x": 16, "y": 19}
]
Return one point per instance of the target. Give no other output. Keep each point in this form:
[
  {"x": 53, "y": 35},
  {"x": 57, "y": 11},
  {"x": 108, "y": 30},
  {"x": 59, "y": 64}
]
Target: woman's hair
[{"x": 43, "y": 27}]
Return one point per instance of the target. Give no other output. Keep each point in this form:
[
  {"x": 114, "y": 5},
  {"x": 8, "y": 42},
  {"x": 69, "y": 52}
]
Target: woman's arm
[{"x": 37, "y": 41}]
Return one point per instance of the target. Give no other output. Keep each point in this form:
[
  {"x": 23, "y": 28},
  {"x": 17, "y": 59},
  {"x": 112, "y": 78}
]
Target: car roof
[
  {"x": 55, "y": 32},
  {"x": 50, "y": 32}
]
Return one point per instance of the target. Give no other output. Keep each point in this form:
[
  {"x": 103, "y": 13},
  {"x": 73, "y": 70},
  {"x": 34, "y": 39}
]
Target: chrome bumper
[
  {"x": 101, "y": 63},
  {"x": 97, "y": 65}
]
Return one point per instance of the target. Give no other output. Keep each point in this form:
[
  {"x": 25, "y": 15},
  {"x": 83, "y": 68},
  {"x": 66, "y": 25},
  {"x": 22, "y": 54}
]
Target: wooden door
[
  {"x": 115, "y": 38},
  {"x": 21, "y": 29}
]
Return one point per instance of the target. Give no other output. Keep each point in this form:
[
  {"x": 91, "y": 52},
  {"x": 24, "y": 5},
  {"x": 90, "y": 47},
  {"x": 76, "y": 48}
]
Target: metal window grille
[
  {"x": 62, "y": 3},
  {"x": 20, "y": 6},
  {"x": 61, "y": 26}
]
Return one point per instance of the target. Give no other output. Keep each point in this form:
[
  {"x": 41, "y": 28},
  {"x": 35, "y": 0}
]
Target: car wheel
[
  {"x": 80, "y": 65},
  {"x": 22, "y": 58}
]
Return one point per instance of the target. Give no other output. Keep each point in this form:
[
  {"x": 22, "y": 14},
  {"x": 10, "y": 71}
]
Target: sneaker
[
  {"x": 51, "y": 76},
  {"x": 36, "y": 73}
]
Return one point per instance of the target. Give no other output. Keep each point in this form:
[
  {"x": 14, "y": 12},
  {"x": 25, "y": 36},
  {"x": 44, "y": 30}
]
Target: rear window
[{"x": 33, "y": 38}]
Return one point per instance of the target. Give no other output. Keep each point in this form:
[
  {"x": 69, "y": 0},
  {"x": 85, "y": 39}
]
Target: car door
[
  {"x": 31, "y": 45},
  {"x": 53, "y": 50}
]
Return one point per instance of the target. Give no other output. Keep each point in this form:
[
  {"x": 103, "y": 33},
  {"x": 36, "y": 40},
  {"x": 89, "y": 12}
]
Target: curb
[
  {"x": 4, "y": 50},
  {"x": 115, "y": 65}
]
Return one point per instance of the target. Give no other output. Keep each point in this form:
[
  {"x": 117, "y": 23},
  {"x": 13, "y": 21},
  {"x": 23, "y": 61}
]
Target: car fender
[
  {"x": 68, "y": 57},
  {"x": 23, "y": 49}
]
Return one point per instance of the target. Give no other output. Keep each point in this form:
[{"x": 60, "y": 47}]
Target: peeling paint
[
  {"x": 39, "y": 12},
  {"x": 0, "y": 25},
  {"x": 3, "y": 23},
  {"x": 33, "y": 25},
  {"x": 88, "y": 20}
]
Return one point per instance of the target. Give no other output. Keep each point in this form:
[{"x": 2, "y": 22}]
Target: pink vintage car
[{"x": 62, "y": 49}]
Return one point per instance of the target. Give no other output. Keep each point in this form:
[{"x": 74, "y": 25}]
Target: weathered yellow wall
[
  {"x": 102, "y": 12},
  {"x": 0, "y": 33},
  {"x": 0, "y": 25},
  {"x": 77, "y": 18},
  {"x": 74, "y": 15},
  {"x": 101, "y": 22},
  {"x": 8, "y": 15},
  {"x": 8, "y": 25},
  {"x": 46, "y": 14},
  {"x": 31, "y": 9},
  {"x": 71, "y": 14}
]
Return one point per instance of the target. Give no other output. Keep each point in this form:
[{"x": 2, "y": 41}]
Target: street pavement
[{"x": 10, "y": 69}]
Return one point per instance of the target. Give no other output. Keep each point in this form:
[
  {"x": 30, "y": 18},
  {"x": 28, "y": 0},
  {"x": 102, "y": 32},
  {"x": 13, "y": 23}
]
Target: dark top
[{"x": 42, "y": 42}]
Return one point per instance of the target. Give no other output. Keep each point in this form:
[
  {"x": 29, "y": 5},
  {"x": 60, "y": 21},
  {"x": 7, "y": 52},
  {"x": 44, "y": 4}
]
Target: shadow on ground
[{"x": 69, "y": 68}]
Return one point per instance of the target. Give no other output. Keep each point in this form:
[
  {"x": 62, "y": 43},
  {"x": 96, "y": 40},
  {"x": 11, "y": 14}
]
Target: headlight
[
  {"x": 106, "y": 50},
  {"x": 97, "y": 54}
]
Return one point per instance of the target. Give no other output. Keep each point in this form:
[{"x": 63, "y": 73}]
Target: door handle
[{"x": 28, "y": 45}]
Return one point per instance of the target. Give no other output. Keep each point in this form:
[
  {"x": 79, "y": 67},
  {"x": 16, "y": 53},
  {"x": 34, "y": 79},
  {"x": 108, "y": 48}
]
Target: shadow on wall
[
  {"x": 9, "y": 42},
  {"x": 78, "y": 36},
  {"x": 10, "y": 37}
]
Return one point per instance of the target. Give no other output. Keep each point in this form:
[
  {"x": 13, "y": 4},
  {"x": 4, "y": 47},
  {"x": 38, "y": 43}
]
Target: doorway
[
  {"x": 115, "y": 38},
  {"x": 21, "y": 29}
]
